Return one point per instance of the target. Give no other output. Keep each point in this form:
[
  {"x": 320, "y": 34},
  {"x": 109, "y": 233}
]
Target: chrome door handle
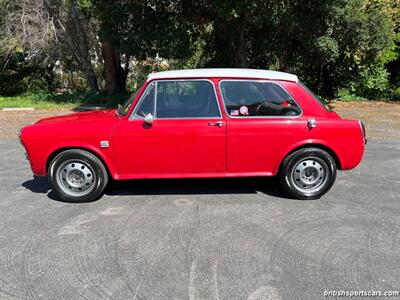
[{"x": 219, "y": 123}]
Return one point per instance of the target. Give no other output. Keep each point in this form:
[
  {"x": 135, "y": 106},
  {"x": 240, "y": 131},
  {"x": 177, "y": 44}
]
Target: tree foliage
[{"x": 333, "y": 45}]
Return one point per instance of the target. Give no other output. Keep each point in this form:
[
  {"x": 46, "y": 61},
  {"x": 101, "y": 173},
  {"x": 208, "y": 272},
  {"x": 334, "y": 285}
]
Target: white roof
[{"x": 230, "y": 73}]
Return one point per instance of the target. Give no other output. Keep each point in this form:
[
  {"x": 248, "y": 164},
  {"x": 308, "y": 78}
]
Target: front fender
[{"x": 40, "y": 160}]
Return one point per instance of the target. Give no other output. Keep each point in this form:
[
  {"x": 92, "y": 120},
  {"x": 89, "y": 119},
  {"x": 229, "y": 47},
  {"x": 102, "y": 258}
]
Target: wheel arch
[
  {"x": 54, "y": 153},
  {"x": 314, "y": 145}
]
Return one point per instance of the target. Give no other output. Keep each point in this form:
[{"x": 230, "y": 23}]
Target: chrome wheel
[
  {"x": 76, "y": 177},
  {"x": 309, "y": 175}
]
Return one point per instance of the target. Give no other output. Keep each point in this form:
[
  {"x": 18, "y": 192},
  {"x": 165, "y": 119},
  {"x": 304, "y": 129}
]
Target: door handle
[{"x": 219, "y": 123}]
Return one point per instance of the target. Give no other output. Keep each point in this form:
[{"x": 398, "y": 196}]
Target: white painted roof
[{"x": 231, "y": 73}]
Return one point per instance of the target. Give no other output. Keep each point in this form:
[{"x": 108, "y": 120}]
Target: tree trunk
[
  {"x": 50, "y": 84},
  {"x": 110, "y": 68},
  {"x": 49, "y": 78},
  {"x": 114, "y": 75},
  {"x": 81, "y": 50},
  {"x": 92, "y": 81},
  {"x": 241, "y": 52}
]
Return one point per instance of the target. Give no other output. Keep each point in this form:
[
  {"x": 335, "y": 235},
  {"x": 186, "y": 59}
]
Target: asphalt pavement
[{"x": 201, "y": 239}]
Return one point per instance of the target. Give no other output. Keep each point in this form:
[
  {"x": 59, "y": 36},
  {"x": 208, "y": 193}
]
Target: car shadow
[
  {"x": 37, "y": 185},
  {"x": 267, "y": 186}
]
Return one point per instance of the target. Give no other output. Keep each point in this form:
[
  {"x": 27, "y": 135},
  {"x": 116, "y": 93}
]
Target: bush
[
  {"x": 395, "y": 94},
  {"x": 11, "y": 84},
  {"x": 373, "y": 82},
  {"x": 346, "y": 95}
]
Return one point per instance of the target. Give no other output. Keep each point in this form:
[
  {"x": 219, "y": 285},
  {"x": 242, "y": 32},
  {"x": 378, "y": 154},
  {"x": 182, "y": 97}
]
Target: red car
[{"x": 199, "y": 123}]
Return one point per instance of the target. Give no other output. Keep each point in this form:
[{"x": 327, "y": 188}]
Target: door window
[
  {"x": 186, "y": 99},
  {"x": 257, "y": 99}
]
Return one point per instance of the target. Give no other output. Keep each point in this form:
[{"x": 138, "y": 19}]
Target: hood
[{"x": 80, "y": 116}]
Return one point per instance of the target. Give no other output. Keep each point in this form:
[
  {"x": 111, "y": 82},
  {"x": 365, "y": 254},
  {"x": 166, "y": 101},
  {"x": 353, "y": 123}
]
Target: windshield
[
  {"x": 316, "y": 97},
  {"x": 123, "y": 110}
]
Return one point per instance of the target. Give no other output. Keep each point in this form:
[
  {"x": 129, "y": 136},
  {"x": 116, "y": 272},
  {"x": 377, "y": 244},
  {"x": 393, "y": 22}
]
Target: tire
[
  {"x": 307, "y": 173},
  {"x": 77, "y": 176}
]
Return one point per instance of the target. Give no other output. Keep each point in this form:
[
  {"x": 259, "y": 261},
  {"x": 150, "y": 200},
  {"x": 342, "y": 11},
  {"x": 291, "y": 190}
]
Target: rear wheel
[
  {"x": 77, "y": 176},
  {"x": 308, "y": 173}
]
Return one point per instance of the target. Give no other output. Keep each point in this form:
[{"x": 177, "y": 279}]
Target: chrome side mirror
[{"x": 148, "y": 119}]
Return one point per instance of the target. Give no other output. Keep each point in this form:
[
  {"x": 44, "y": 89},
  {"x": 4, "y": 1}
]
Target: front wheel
[
  {"x": 307, "y": 173},
  {"x": 77, "y": 176}
]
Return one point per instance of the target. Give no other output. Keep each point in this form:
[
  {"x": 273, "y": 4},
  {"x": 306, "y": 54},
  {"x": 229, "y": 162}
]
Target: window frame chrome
[
  {"x": 259, "y": 117},
  {"x": 133, "y": 116}
]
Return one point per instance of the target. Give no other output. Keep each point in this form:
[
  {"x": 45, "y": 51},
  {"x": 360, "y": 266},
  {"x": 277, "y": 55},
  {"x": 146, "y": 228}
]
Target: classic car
[{"x": 204, "y": 123}]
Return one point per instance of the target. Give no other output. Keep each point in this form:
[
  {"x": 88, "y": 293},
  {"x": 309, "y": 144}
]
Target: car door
[
  {"x": 187, "y": 137},
  {"x": 263, "y": 122}
]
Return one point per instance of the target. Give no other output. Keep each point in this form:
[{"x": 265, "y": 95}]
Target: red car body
[{"x": 182, "y": 148}]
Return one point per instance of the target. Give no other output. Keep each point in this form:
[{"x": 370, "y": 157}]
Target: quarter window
[
  {"x": 146, "y": 104},
  {"x": 186, "y": 99},
  {"x": 257, "y": 99}
]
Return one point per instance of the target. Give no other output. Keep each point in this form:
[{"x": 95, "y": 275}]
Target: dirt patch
[
  {"x": 381, "y": 119},
  {"x": 12, "y": 122}
]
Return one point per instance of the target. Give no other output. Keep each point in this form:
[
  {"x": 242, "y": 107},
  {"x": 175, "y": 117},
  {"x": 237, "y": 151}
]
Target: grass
[{"x": 65, "y": 100}]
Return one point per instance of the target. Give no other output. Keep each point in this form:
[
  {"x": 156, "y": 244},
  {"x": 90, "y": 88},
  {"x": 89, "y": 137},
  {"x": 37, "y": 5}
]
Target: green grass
[
  {"x": 66, "y": 100},
  {"x": 346, "y": 96}
]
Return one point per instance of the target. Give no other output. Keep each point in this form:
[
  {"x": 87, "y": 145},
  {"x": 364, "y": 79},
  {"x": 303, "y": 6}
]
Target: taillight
[{"x": 364, "y": 134}]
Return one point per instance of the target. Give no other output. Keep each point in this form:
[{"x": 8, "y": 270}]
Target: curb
[{"x": 18, "y": 109}]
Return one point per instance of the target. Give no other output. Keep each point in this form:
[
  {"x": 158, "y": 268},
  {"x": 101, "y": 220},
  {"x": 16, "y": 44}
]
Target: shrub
[
  {"x": 395, "y": 94},
  {"x": 346, "y": 95}
]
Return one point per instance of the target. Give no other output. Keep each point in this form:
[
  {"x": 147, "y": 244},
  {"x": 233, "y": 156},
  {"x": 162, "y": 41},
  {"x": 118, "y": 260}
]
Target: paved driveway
[{"x": 200, "y": 239}]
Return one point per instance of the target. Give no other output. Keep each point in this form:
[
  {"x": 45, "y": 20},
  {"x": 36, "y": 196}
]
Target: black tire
[
  {"x": 76, "y": 175},
  {"x": 307, "y": 173}
]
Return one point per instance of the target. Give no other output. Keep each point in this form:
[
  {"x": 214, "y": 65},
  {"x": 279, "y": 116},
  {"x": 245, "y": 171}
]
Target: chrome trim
[
  {"x": 134, "y": 117},
  {"x": 104, "y": 144},
  {"x": 218, "y": 123},
  {"x": 311, "y": 123},
  {"x": 259, "y": 117},
  {"x": 155, "y": 100}
]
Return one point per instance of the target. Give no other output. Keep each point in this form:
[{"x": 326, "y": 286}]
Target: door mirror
[{"x": 148, "y": 119}]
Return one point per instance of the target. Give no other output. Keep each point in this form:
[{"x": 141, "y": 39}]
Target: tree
[
  {"x": 327, "y": 43},
  {"x": 74, "y": 33},
  {"x": 139, "y": 30},
  {"x": 50, "y": 28}
]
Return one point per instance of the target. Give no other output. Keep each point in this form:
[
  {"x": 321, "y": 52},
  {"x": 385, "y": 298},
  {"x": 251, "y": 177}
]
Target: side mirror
[{"x": 148, "y": 119}]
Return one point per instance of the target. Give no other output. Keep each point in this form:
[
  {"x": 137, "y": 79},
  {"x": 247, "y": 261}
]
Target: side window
[
  {"x": 257, "y": 98},
  {"x": 186, "y": 99},
  {"x": 146, "y": 102}
]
